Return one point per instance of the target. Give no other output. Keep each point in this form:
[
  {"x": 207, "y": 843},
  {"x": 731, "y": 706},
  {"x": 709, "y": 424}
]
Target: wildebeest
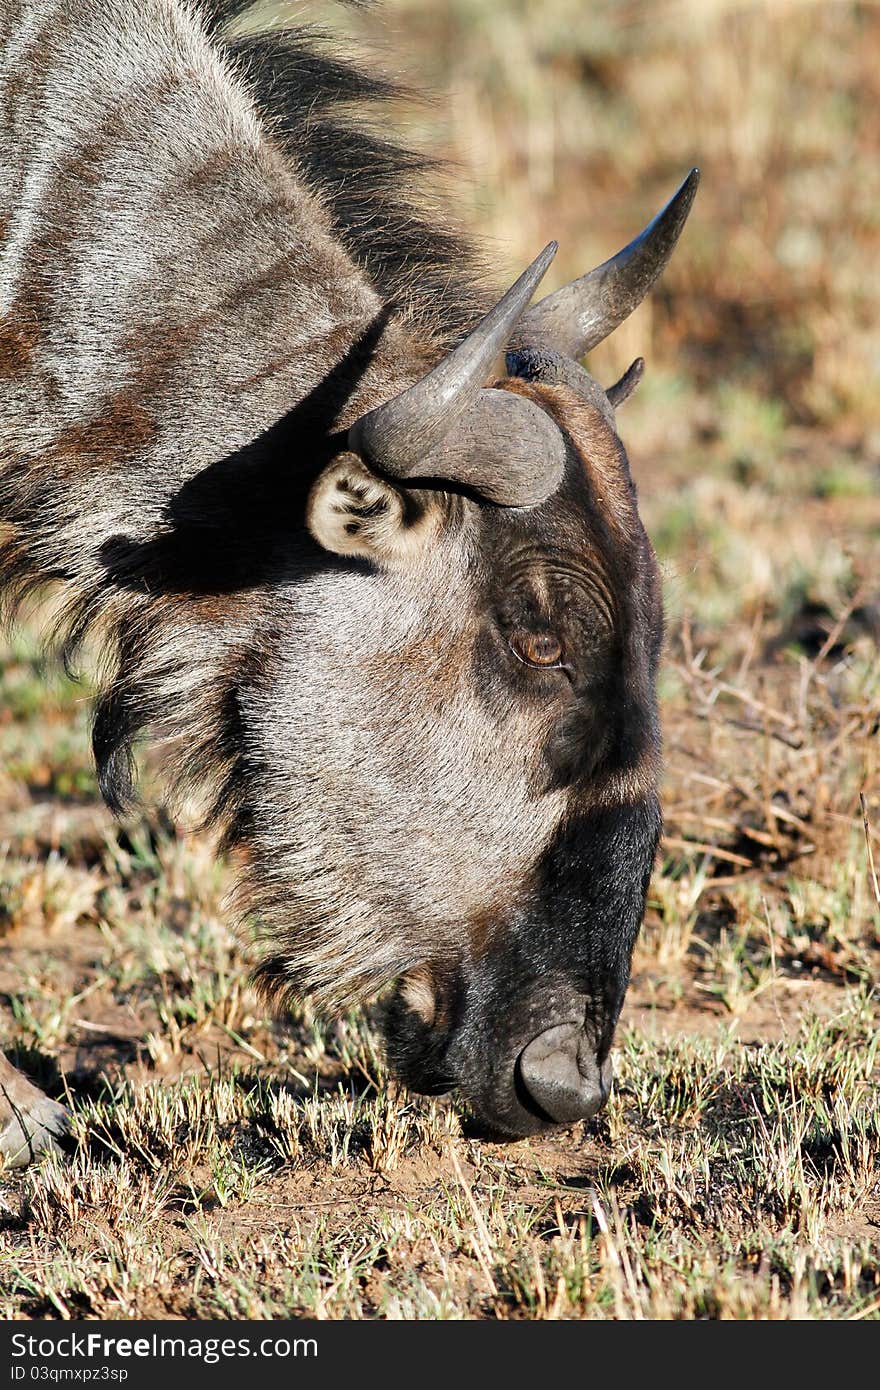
[{"x": 395, "y": 622}]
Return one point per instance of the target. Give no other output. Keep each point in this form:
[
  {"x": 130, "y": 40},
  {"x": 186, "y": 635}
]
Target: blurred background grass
[{"x": 575, "y": 119}]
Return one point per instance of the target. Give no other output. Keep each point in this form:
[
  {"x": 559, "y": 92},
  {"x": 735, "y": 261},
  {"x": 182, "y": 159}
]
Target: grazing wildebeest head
[
  {"x": 401, "y": 619},
  {"x": 459, "y": 736}
]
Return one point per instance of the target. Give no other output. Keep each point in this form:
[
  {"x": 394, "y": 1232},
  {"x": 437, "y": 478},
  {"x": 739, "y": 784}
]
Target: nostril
[{"x": 562, "y": 1077}]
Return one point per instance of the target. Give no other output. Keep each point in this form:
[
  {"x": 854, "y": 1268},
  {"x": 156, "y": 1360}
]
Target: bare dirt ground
[{"x": 230, "y": 1165}]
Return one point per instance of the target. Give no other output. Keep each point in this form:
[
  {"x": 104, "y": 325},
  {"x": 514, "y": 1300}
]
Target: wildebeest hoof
[{"x": 30, "y": 1123}]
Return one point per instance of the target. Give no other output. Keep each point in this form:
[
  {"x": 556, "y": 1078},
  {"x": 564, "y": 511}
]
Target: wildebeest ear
[{"x": 352, "y": 511}]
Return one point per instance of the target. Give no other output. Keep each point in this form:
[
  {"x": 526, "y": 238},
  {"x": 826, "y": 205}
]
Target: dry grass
[{"x": 229, "y": 1165}]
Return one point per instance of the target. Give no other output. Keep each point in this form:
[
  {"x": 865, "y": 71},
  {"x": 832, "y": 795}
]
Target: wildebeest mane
[{"x": 381, "y": 195}]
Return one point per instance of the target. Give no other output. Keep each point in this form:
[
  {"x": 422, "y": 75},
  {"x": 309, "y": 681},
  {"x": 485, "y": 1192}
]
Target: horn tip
[
  {"x": 691, "y": 183},
  {"x": 676, "y": 210}
]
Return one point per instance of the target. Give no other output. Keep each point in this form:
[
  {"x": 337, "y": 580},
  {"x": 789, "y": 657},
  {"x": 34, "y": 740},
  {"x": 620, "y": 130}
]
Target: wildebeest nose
[{"x": 562, "y": 1075}]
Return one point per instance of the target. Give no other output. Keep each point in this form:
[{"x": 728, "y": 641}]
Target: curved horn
[
  {"x": 575, "y": 318},
  {"x": 623, "y": 389},
  {"x": 399, "y": 435}
]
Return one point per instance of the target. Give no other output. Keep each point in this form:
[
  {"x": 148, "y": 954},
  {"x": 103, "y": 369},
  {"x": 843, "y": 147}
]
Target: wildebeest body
[{"x": 425, "y": 721}]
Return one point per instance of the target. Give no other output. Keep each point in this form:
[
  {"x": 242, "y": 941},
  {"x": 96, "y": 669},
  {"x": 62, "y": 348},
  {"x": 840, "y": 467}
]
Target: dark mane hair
[{"x": 382, "y": 197}]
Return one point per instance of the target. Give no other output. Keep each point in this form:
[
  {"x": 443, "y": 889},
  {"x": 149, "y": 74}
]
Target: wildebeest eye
[{"x": 536, "y": 648}]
